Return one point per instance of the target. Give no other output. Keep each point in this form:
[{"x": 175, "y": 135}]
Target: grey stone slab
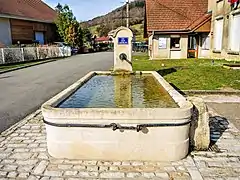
[
  {"x": 40, "y": 168},
  {"x": 229, "y": 111}
]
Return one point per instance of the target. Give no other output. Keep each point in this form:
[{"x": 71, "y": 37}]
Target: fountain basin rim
[
  {"x": 136, "y": 115},
  {"x": 159, "y": 134}
]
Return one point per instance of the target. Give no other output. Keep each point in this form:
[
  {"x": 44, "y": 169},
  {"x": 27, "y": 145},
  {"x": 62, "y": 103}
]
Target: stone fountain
[{"x": 121, "y": 116}]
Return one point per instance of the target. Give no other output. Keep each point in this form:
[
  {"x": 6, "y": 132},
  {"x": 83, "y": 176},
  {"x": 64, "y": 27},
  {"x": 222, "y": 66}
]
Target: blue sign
[{"x": 123, "y": 40}]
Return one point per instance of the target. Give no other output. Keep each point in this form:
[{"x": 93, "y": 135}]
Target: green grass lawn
[{"x": 191, "y": 74}]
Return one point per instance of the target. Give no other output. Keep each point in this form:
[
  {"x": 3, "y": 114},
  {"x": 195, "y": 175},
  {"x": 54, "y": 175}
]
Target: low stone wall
[{"x": 15, "y": 55}]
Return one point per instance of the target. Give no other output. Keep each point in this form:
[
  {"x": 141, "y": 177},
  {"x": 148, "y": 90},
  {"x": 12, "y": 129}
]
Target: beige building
[
  {"x": 178, "y": 29},
  {"x": 225, "y": 30}
]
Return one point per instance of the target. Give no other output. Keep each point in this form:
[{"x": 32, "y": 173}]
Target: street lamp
[{"x": 127, "y": 2}]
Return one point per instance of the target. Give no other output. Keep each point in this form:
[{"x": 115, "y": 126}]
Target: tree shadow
[
  {"x": 218, "y": 125},
  {"x": 164, "y": 72}
]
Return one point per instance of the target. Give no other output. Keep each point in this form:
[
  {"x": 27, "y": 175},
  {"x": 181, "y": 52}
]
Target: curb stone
[
  {"x": 207, "y": 92},
  {"x": 20, "y": 123},
  {"x": 23, "y": 67}
]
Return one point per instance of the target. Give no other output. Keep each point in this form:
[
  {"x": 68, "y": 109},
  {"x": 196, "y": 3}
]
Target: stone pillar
[
  {"x": 199, "y": 130},
  {"x": 150, "y": 45},
  {"x": 123, "y": 49}
]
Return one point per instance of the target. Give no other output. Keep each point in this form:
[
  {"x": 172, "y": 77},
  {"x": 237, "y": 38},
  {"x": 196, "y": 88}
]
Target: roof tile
[
  {"x": 30, "y": 9},
  {"x": 173, "y": 15}
]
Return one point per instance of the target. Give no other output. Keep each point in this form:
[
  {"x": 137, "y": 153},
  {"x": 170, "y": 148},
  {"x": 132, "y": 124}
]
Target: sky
[{"x": 88, "y": 9}]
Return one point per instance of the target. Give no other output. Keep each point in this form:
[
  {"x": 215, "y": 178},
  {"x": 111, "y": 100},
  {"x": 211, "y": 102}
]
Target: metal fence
[
  {"x": 140, "y": 47},
  {"x": 15, "y": 55}
]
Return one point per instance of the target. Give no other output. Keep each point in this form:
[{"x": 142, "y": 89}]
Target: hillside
[{"x": 101, "y": 25}]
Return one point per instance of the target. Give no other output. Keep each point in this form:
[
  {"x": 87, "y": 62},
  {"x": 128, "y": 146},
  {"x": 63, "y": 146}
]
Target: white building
[{"x": 225, "y": 30}]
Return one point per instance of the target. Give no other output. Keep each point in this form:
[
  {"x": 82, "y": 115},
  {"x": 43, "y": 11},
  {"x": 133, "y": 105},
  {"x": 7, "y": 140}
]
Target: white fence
[{"x": 14, "y": 55}]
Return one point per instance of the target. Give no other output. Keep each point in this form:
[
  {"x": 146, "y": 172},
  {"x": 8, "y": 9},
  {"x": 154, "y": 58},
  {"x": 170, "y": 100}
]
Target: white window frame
[{"x": 218, "y": 34}]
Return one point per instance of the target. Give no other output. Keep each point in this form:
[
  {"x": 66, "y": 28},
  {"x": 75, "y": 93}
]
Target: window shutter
[
  {"x": 206, "y": 42},
  {"x": 218, "y": 30},
  {"x": 234, "y": 36}
]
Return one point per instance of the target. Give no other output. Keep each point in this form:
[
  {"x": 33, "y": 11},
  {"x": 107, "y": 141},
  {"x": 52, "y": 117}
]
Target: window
[
  {"x": 218, "y": 33},
  {"x": 205, "y": 42},
  {"x": 162, "y": 43},
  {"x": 192, "y": 43},
  {"x": 175, "y": 43},
  {"x": 234, "y": 33}
]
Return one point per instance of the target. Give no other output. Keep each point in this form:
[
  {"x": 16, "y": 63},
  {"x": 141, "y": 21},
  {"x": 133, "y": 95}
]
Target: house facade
[
  {"x": 225, "y": 30},
  {"x": 26, "y": 21},
  {"x": 178, "y": 29}
]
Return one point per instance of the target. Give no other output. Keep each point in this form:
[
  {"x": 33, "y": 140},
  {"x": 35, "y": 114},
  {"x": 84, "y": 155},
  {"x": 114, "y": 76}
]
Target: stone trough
[
  {"x": 119, "y": 127},
  {"x": 149, "y": 134}
]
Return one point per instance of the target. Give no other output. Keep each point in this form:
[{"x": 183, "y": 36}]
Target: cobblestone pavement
[{"x": 23, "y": 155}]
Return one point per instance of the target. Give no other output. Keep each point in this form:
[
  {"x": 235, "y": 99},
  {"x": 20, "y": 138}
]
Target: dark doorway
[{"x": 193, "y": 42}]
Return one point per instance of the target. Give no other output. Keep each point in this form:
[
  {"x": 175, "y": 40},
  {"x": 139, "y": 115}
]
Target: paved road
[
  {"x": 231, "y": 111},
  {"x": 24, "y": 91},
  {"x": 227, "y": 106}
]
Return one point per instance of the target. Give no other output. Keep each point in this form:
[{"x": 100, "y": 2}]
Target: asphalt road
[
  {"x": 23, "y": 91},
  {"x": 231, "y": 111}
]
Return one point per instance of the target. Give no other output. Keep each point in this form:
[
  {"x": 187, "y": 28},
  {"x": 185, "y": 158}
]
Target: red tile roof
[
  {"x": 27, "y": 9},
  {"x": 173, "y": 15},
  {"x": 101, "y": 39},
  {"x": 196, "y": 24}
]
